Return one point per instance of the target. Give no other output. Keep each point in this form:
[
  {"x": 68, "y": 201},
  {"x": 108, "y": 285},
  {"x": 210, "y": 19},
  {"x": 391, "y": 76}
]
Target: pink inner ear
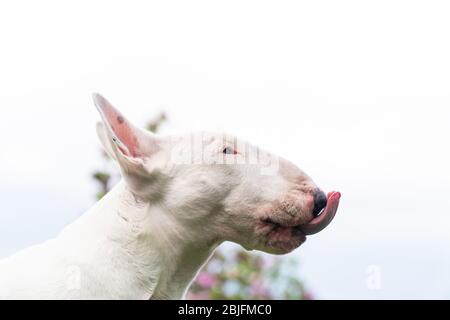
[{"x": 120, "y": 126}]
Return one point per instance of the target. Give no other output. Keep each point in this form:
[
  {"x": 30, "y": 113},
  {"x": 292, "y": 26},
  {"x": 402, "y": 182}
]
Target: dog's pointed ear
[{"x": 124, "y": 142}]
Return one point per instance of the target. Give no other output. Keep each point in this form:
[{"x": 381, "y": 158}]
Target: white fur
[{"x": 150, "y": 235}]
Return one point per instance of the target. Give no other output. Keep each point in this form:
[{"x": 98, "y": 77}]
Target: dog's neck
[{"x": 146, "y": 245}]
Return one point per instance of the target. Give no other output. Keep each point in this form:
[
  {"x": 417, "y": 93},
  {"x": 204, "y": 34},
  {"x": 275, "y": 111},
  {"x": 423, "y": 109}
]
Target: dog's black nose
[{"x": 320, "y": 202}]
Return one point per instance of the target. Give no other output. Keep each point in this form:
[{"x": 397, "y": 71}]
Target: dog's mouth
[
  {"x": 323, "y": 220},
  {"x": 289, "y": 236}
]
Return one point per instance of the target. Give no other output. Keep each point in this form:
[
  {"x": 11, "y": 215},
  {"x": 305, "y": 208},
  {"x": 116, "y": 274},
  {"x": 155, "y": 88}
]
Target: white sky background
[{"x": 357, "y": 94}]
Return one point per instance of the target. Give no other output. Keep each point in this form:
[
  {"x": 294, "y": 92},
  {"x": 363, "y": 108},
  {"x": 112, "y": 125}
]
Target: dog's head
[{"x": 219, "y": 187}]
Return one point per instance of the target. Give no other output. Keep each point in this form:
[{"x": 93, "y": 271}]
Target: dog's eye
[{"x": 229, "y": 150}]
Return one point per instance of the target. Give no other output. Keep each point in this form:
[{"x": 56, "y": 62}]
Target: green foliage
[
  {"x": 154, "y": 124},
  {"x": 103, "y": 179},
  {"x": 232, "y": 273}
]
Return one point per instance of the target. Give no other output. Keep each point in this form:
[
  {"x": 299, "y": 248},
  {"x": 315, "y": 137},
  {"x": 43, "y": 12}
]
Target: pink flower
[
  {"x": 308, "y": 296},
  {"x": 257, "y": 290},
  {"x": 205, "y": 280},
  {"x": 197, "y": 296}
]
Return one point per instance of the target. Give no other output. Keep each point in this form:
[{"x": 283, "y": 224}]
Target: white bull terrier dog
[{"x": 180, "y": 197}]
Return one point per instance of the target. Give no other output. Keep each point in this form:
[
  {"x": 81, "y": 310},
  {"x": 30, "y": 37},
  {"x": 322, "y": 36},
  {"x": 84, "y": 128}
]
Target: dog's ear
[
  {"x": 105, "y": 140},
  {"x": 130, "y": 146}
]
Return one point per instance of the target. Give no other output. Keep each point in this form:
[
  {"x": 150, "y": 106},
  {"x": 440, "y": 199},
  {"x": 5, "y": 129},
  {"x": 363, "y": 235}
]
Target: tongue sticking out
[{"x": 319, "y": 223}]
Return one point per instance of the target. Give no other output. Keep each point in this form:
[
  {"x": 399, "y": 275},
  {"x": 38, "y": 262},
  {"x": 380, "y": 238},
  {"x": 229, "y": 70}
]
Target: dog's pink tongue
[{"x": 324, "y": 219}]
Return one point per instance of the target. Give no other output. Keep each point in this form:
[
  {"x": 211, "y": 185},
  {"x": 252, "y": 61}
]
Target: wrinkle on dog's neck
[{"x": 163, "y": 254}]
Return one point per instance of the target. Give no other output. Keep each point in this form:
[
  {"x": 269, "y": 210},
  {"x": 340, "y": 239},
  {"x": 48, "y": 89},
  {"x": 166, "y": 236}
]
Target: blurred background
[{"x": 356, "y": 93}]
